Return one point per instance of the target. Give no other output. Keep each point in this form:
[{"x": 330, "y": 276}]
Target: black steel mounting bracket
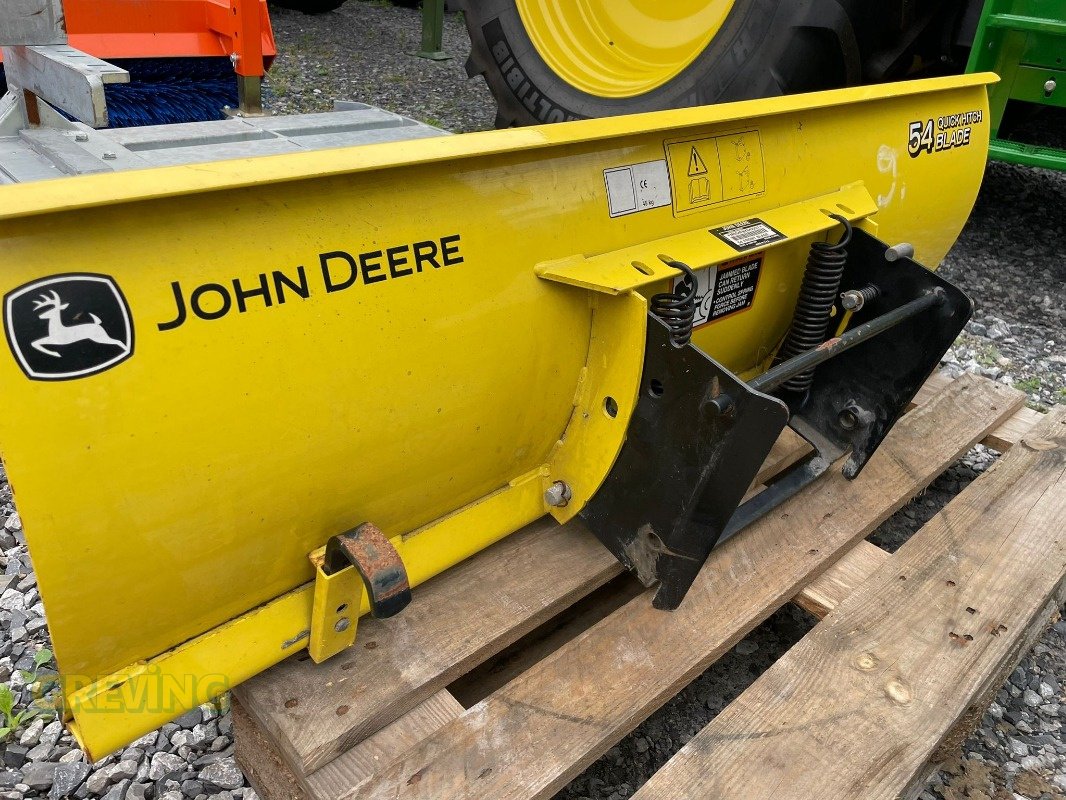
[{"x": 699, "y": 434}]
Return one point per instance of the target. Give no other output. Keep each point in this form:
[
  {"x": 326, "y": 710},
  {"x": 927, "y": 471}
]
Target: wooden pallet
[{"x": 511, "y": 673}]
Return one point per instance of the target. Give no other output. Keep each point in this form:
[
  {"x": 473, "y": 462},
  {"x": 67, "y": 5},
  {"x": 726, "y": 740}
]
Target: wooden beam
[
  {"x": 455, "y": 622},
  {"x": 857, "y": 708},
  {"x": 533, "y": 735},
  {"x": 272, "y": 778},
  {"x": 829, "y": 589},
  {"x": 1003, "y": 436}
]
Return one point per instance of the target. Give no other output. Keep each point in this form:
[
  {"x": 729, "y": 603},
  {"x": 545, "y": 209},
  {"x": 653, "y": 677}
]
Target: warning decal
[
  {"x": 725, "y": 289},
  {"x": 749, "y": 234},
  {"x": 715, "y": 169}
]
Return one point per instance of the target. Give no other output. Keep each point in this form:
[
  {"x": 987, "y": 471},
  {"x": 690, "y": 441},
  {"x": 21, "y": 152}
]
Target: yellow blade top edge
[{"x": 23, "y": 200}]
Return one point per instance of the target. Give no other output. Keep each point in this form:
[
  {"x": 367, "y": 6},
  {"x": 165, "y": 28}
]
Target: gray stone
[
  {"x": 9, "y": 778},
  {"x": 39, "y": 774},
  {"x": 1014, "y": 716},
  {"x": 118, "y": 791},
  {"x": 28, "y": 582},
  {"x": 205, "y": 732},
  {"x": 99, "y": 780},
  {"x": 188, "y": 738},
  {"x": 746, "y": 647},
  {"x": 32, "y": 734},
  {"x": 164, "y": 764},
  {"x": 1031, "y": 698},
  {"x": 190, "y": 718},
  {"x": 212, "y": 758},
  {"x": 224, "y": 774},
  {"x": 138, "y": 791},
  {"x": 146, "y": 742},
  {"x": 72, "y": 757},
  {"x": 51, "y": 731},
  {"x": 998, "y": 330},
  {"x": 15, "y": 755},
  {"x": 123, "y": 770},
  {"x": 41, "y": 752},
  {"x": 1017, "y": 747},
  {"x": 68, "y": 777},
  {"x": 132, "y": 754},
  {"x": 191, "y": 788}
]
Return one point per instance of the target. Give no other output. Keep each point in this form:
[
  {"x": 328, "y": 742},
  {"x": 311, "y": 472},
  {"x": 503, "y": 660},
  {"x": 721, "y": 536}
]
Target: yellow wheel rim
[{"x": 621, "y": 48}]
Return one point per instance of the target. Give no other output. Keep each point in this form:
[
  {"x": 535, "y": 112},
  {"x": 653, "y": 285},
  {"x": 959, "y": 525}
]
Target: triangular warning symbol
[{"x": 695, "y": 165}]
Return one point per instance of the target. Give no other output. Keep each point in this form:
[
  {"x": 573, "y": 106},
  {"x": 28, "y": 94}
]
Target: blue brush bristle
[{"x": 162, "y": 91}]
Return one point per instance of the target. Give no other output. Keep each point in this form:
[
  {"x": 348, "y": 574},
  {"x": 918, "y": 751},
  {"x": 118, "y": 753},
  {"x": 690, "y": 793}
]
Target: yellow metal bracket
[
  {"x": 636, "y": 267},
  {"x": 360, "y": 564},
  {"x": 331, "y": 629}
]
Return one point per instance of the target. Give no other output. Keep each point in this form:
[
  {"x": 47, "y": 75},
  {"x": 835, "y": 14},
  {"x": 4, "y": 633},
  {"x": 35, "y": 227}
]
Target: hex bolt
[
  {"x": 901, "y": 250},
  {"x": 558, "y": 494},
  {"x": 110, "y": 156},
  {"x": 852, "y": 300},
  {"x": 1050, "y": 86},
  {"x": 81, "y": 137},
  {"x": 234, "y": 58},
  {"x": 855, "y": 299},
  {"x": 342, "y": 625},
  {"x": 853, "y": 416}
]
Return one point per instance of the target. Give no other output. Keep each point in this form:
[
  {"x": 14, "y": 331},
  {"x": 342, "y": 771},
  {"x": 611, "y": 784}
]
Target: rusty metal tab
[{"x": 368, "y": 550}]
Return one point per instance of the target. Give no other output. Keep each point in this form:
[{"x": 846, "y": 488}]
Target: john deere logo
[{"x": 68, "y": 326}]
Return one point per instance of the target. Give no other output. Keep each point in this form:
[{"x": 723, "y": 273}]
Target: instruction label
[
  {"x": 748, "y": 234},
  {"x": 637, "y": 187},
  {"x": 725, "y": 289},
  {"x": 715, "y": 169},
  {"x": 943, "y": 133}
]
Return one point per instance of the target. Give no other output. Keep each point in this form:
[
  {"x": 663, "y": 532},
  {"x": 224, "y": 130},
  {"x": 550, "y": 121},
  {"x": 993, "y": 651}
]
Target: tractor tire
[{"x": 762, "y": 48}]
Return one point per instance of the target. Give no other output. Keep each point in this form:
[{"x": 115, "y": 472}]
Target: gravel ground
[{"x": 1008, "y": 257}]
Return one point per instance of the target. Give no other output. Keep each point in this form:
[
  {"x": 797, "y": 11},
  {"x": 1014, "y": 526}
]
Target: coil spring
[
  {"x": 821, "y": 283},
  {"x": 677, "y": 308}
]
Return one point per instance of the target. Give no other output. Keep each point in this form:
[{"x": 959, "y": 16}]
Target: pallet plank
[
  {"x": 397, "y": 663},
  {"x": 1008, "y": 433},
  {"x": 858, "y": 707},
  {"x": 540, "y": 730},
  {"x": 829, "y": 589},
  {"x": 273, "y": 780}
]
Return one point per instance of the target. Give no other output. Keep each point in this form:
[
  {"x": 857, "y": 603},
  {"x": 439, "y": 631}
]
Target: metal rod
[
  {"x": 773, "y": 496},
  {"x": 776, "y": 376}
]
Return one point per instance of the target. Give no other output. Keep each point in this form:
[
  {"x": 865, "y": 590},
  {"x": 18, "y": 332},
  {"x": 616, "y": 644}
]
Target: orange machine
[{"x": 182, "y": 55}]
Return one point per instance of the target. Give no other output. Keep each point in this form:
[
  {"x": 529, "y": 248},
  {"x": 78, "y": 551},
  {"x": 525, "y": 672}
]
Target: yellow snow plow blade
[{"x": 214, "y": 369}]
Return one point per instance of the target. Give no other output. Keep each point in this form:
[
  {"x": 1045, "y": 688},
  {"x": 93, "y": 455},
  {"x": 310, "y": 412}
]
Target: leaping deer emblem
[{"x": 60, "y": 334}]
